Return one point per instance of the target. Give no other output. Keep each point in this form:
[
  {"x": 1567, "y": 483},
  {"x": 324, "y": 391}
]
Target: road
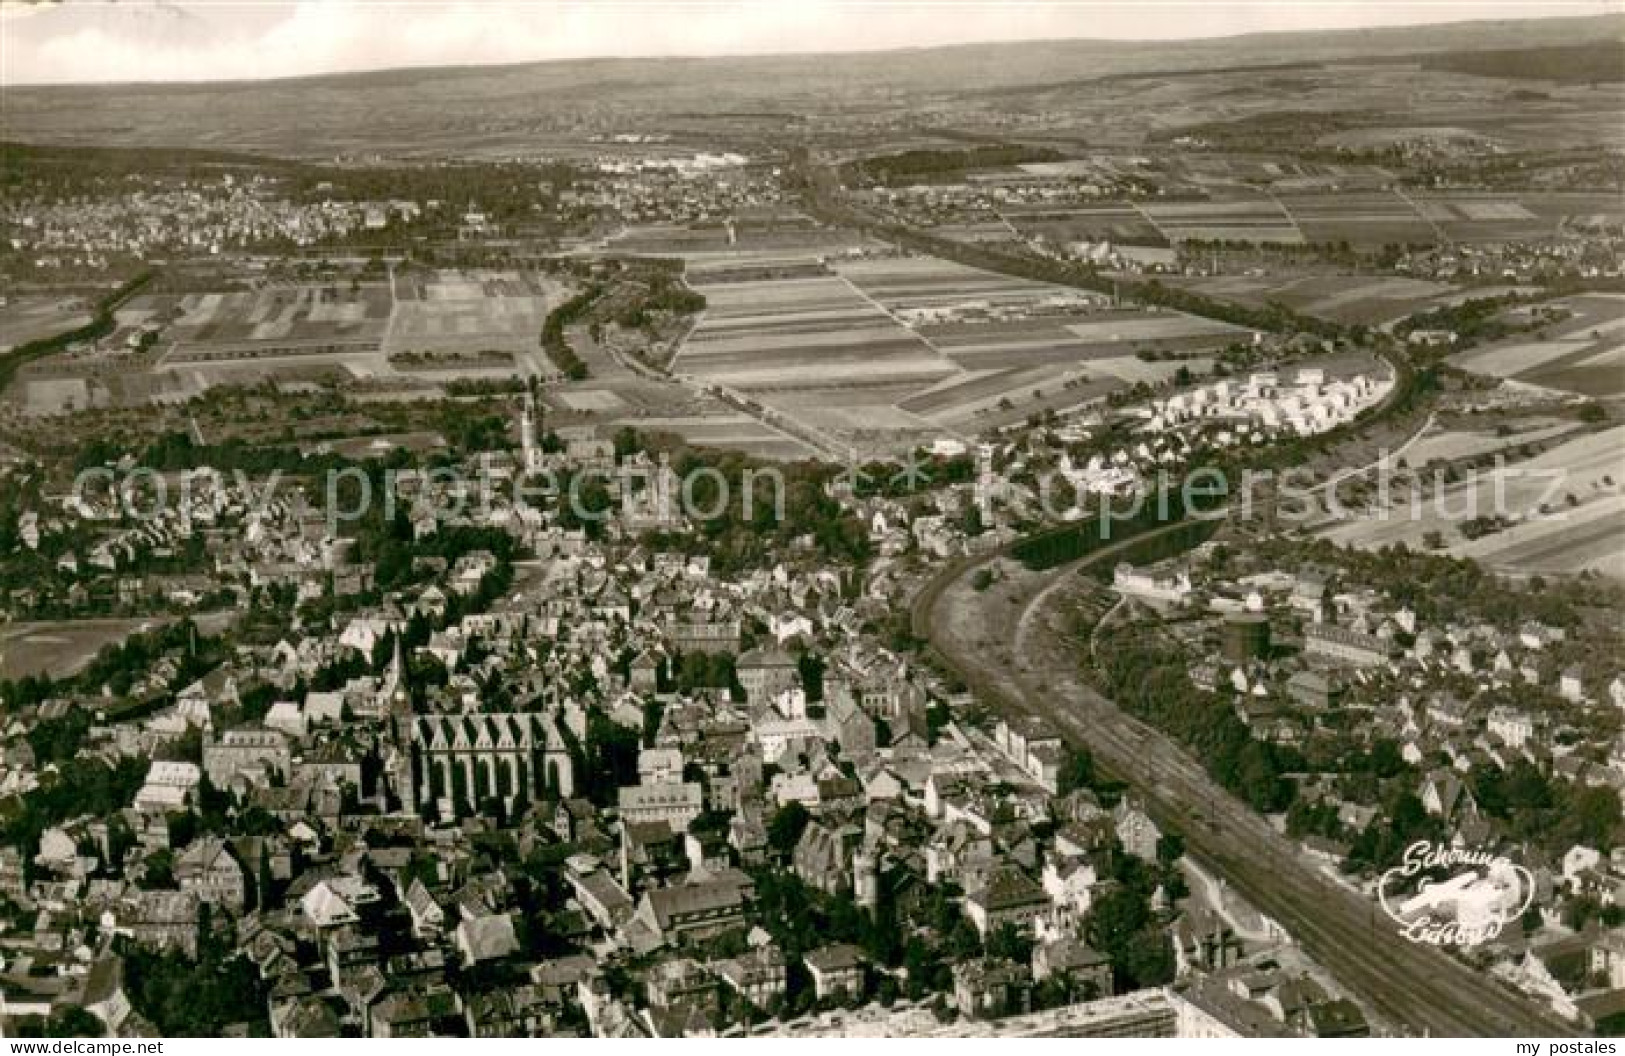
[
  {"x": 1390, "y": 458},
  {"x": 1027, "y": 665}
]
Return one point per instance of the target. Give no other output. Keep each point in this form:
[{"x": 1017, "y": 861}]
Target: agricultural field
[
  {"x": 590, "y": 399},
  {"x": 1305, "y": 209},
  {"x": 1118, "y": 224},
  {"x": 906, "y": 349},
  {"x": 1580, "y": 483},
  {"x": 280, "y": 321},
  {"x": 430, "y": 314},
  {"x": 744, "y": 266},
  {"x": 61, "y": 649},
  {"x": 1243, "y": 220},
  {"x": 1468, "y": 217},
  {"x": 801, "y": 334},
  {"x": 908, "y": 284},
  {"x": 989, "y": 398},
  {"x": 1591, "y": 537},
  {"x": 1584, "y": 354},
  {"x": 700, "y": 240},
  {"x": 470, "y": 312},
  {"x": 981, "y": 320},
  {"x": 669, "y": 240},
  {"x": 1132, "y": 370},
  {"x": 1110, "y": 334},
  {"x": 30, "y": 317},
  {"x": 420, "y": 328},
  {"x": 1369, "y": 300},
  {"x": 1376, "y": 218},
  {"x": 1370, "y": 218},
  {"x": 1459, "y": 444},
  {"x": 867, "y": 419},
  {"x": 734, "y": 432}
]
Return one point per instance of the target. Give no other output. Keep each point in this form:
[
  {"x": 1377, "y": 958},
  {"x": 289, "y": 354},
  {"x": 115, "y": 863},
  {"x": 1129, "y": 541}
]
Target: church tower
[
  {"x": 396, "y": 694},
  {"x": 530, "y": 453},
  {"x": 866, "y": 879}
]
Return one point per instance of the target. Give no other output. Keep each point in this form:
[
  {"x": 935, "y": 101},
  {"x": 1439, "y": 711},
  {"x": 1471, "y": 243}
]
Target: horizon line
[{"x": 749, "y": 56}]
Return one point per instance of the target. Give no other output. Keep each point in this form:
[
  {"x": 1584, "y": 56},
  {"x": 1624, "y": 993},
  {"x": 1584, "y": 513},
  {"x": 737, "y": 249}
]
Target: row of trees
[
  {"x": 1148, "y": 679},
  {"x": 100, "y": 325},
  {"x": 1069, "y": 542},
  {"x": 914, "y": 166},
  {"x": 554, "y": 341}
]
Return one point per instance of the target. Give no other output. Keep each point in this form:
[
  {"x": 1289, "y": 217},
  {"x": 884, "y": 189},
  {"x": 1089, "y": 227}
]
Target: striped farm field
[
  {"x": 1349, "y": 298},
  {"x": 974, "y": 386},
  {"x": 1371, "y": 218},
  {"x": 908, "y": 347},
  {"x": 784, "y": 335},
  {"x": 1163, "y": 326},
  {"x": 774, "y": 297},
  {"x": 1583, "y": 354},
  {"x": 1591, "y": 536},
  {"x": 1458, "y": 444},
  {"x": 735, "y": 432},
  {"x": 1120, "y": 223},
  {"x": 1251, "y": 220},
  {"x": 916, "y": 282},
  {"x": 1133, "y": 370},
  {"x": 1569, "y": 536},
  {"x": 980, "y": 399}
]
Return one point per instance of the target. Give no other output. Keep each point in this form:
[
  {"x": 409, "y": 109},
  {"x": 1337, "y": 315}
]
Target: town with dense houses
[{"x": 1052, "y": 538}]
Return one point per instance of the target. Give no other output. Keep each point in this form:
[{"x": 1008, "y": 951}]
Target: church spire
[{"x": 397, "y": 695}]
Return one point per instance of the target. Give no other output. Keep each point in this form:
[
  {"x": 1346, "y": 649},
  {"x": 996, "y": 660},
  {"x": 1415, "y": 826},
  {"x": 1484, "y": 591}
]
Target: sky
[{"x": 86, "y": 41}]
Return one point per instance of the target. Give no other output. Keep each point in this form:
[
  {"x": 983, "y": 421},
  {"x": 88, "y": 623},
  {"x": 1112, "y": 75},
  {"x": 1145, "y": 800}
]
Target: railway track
[{"x": 1419, "y": 989}]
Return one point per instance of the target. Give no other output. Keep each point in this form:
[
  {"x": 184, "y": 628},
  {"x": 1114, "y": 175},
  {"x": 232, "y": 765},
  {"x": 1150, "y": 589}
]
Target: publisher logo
[{"x": 1452, "y": 896}]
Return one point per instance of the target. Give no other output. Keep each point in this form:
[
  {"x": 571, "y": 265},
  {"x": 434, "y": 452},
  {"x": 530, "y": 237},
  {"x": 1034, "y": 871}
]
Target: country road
[{"x": 1020, "y": 662}]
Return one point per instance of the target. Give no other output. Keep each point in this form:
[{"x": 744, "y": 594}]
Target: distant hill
[
  {"x": 1597, "y": 62},
  {"x": 526, "y": 107}
]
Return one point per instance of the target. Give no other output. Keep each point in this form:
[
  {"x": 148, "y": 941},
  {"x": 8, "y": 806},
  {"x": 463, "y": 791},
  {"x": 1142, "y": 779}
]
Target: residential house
[
  {"x": 207, "y": 869},
  {"x": 837, "y": 971}
]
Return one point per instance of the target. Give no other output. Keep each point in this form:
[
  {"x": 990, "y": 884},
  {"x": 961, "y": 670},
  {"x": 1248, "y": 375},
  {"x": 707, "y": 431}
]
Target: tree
[
  {"x": 1077, "y": 771},
  {"x": 1591, "y": 817},
  {"x": 811, "y": 669},
  {"x": 266, "y": 879},
  {"x": 785, "y": 828},
  {"x": 970, "y": 522},
  {"x": 1148, "y": 958},
  {"x": 1008, "y": 944},
  {"x": 65, "y": 1022}
]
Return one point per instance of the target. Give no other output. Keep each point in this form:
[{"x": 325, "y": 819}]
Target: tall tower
[
  {"x": 5, "y": 625},
  {"x": 865, "y": 880},
  {"x": 396, "y": 694},
  {"x": 986, "y": 483},
  {"x": 531, "y": 456}
]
